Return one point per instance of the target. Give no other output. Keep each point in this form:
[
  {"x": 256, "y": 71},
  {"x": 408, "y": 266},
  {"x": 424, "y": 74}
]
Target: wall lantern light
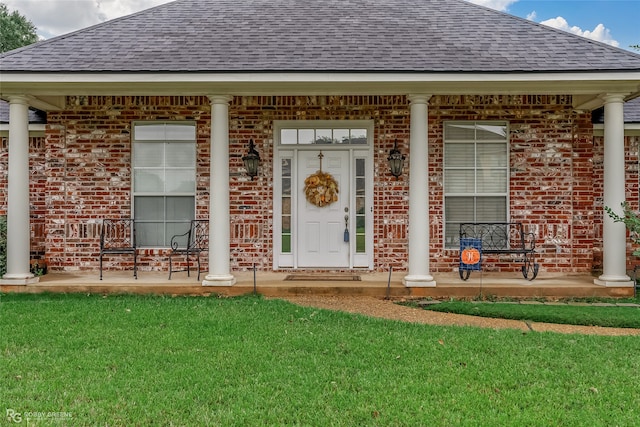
[
  {"x": 396, "y": 160},
  {"x": 252, "y": 161}
]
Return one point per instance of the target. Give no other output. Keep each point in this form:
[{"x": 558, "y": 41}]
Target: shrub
[
  {"x": 631, "y": 220},
  {"x": 3, "y": 245}
]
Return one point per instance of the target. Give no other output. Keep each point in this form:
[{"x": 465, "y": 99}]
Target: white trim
[
  {"x": 34, "y": 129},
  {"x": 272, "y": 83},
  {"x": 114, "y": 77},
  {"x": 630, "y": 129}
]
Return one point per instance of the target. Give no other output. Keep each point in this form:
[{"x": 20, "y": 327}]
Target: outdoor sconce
[
  {"x": 252, "y": 161},
  {"x": 396, "y": 160}
]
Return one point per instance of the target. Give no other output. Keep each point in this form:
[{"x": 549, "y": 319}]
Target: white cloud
[
  {"x": 501, "y": 5},
  {"x": 600, "y": 32},
  {"x": 56, "y": 17},
  {"x": 532, "y": 16}
]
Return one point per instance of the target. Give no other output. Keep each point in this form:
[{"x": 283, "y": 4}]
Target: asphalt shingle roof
[
  {"x": 319, "y": 36},
  {"x": 631, "y": 112}
]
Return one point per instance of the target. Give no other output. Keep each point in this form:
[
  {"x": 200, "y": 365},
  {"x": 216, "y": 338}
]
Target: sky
[{"x": 615, "y": 22}]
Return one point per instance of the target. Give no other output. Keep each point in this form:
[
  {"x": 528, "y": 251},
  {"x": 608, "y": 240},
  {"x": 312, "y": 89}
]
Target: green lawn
[
  {"x": 148, "y": 361},
  {"x": 616, "y": 317}
]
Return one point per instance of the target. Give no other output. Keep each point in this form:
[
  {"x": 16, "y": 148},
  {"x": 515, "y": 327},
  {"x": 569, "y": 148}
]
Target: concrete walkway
[{"x": 389, "y": 309}]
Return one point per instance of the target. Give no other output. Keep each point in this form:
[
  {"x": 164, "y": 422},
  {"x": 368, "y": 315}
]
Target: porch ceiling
[{"x": 47, "y": 90}]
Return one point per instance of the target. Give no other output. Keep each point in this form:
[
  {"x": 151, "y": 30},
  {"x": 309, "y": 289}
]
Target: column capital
[
  {"x": 418, "y": 98},
  {"x": 613, "y": 97},
  {"x": 220, "y": 99},
  {"x": 18, "y": 99}
]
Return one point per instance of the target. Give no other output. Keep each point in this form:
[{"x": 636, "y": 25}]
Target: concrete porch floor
[{"x": 272, "y": 284}]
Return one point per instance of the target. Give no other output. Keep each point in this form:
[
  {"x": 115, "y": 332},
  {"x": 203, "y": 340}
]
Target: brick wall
[
  {"x": 84, "y": 174},
  {"x": 89, "y": 172},
  {"x": 251, "y": 201},
  {"x": 550, "y": 155}
]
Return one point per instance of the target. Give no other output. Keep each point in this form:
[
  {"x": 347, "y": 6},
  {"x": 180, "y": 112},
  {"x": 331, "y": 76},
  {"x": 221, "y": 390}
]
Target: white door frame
[{"x": 357, "y": 152}]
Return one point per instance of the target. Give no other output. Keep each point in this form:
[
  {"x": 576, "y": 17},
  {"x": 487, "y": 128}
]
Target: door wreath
[{"x": 320, "y": 188}]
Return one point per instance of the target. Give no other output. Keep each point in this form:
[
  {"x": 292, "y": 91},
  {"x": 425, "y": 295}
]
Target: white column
[
  {"x": 18, "y": 232},
  {"x": 219, "y": 218},
  {"x": 418, "y": 236},
  {"x": 614, "y": 251}
]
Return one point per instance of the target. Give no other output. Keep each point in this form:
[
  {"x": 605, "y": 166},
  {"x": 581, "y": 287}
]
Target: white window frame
[
  {"x": 165, "y": 194},
  {"x": 453, "y": 244}
]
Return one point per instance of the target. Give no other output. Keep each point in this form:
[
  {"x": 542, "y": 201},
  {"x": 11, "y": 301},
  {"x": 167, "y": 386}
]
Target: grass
[
  {"x": 146, "y": 361},
  {"x": 617, "y": 317}
]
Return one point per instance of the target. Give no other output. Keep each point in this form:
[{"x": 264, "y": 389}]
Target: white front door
[{"x": 320, "y": 237}]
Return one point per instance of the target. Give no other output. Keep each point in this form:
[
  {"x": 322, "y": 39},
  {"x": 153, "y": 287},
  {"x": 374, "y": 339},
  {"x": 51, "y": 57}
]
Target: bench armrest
[{"x": 177, "y": 238}]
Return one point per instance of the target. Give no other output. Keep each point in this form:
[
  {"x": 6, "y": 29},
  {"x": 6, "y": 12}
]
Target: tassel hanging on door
[{"x": 346, "y": 228}]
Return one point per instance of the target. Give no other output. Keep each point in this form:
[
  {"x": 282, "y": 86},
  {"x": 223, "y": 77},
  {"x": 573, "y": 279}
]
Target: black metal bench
[
  {"x": 503, "y": 238},
  {"x": 118, "y": 236},
  {"x": 190, "y": 244}
]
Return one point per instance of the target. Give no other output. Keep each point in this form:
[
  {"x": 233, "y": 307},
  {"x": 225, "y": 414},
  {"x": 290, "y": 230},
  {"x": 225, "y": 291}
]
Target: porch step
[{"x": 271, "y": 284}]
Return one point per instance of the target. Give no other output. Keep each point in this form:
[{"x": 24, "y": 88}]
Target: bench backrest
[
  {"x": 118, "y": 234},
  {"x": 498, "y": 236},
  {"x": 200, "y": 234}
]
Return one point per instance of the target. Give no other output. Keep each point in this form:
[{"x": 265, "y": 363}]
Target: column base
[
  {"x": 419, "y": 281},
  {"x": 19, "y": 279},
  {"x": 614, "y": 281},
  {"x": 219, "y": 280}
]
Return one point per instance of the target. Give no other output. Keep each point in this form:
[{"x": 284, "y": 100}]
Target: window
[
  {"x": 290, "y": 136},
  {"x": 286, "y": 205},
  {"x": 476, "y": 175},
  {"x": 361, "y": 206},
  {"x": 164, "y": 180}
]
